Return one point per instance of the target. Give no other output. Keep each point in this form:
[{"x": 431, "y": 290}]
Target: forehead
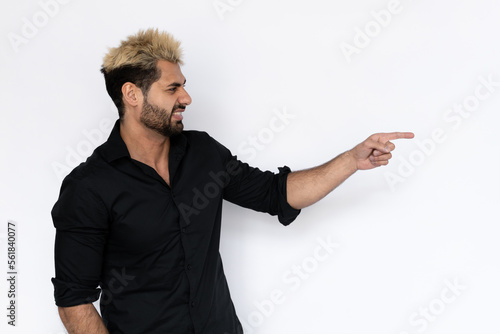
[{"x": 170, "y": 72}]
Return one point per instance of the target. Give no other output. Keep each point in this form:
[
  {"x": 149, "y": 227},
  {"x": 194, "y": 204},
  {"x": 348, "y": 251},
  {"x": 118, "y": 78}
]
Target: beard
[{"x": 160, "y": 120}]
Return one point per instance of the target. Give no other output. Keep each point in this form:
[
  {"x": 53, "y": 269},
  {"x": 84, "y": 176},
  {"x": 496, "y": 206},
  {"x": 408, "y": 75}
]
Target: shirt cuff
[
  {"x": 286, "y": 213},
  {"x": 69, "y": 294}
]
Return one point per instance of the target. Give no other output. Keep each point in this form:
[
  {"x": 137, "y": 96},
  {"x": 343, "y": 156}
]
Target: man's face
[{"x": 166, "y": 100}]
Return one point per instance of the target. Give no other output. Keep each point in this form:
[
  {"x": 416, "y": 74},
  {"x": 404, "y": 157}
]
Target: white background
[{"x": 399, "y": 243}]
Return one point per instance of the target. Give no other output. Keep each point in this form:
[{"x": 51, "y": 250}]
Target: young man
[{"x": 140, "y": 220}]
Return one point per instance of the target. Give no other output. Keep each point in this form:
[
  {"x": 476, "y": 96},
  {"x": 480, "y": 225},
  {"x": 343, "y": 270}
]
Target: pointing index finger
[{"x": 399, "y": 135}]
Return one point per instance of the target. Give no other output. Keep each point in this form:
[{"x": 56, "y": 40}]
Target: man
[{"x": 140, "y": 219}]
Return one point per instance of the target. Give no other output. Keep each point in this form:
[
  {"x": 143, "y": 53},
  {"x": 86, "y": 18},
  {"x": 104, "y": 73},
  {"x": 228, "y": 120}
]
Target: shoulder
[
  {"x": 201, "y": 140},
  {"x": 81, "y": 190},
  {"x": 88, "y": 173},
  {"x": 196, "y": 135}
]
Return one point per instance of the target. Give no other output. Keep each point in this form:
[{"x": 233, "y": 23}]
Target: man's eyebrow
[{"x": 176, "y": 84}]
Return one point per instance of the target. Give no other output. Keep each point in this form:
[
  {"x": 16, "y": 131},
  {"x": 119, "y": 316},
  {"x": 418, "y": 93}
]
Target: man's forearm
[
  {"x": 82, "y": 319},
  {"x": 308, "y": 186}
]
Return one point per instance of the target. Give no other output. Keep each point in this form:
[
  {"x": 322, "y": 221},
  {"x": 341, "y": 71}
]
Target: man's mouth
[{"x": 177, "y": 115}]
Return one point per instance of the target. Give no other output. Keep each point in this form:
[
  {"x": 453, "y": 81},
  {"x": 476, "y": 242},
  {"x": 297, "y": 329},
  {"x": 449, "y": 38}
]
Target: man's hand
[{"x": 376, "y": 150}]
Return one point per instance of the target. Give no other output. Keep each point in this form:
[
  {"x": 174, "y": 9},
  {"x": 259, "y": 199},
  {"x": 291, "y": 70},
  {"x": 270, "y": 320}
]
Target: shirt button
[
  {"x": 189, "y": 267},
  {"x": 193, "y": 304},
  {"x": 184, "y": 230}
]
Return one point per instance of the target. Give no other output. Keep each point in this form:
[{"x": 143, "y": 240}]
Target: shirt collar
[{"x": 115, "y": 147}]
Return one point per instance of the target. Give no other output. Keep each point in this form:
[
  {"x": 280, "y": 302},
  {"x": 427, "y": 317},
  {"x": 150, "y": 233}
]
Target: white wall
[{"x": 403, "y": 234}]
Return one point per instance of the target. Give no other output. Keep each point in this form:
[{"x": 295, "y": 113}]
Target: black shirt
[{"x": 152, "y": 248}]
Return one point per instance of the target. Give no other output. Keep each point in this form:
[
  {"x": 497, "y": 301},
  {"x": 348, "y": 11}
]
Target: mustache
[{"x": 178, "y": 107}]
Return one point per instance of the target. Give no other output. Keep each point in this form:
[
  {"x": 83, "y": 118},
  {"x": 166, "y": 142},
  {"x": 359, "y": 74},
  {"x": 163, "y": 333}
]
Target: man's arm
[
  {"x": 81, "y": 221},
  {"x": 82, "y": 319},
  {"x": 308, "y": 186}
]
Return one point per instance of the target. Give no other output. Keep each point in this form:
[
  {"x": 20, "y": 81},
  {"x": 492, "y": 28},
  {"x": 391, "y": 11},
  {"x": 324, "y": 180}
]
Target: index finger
[{"x": 398, "y": 135}]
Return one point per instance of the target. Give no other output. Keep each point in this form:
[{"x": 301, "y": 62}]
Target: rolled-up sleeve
[
  {"x": 81, "y": 222},
  {"x": 252, "y": 188},
  {"x": 287, "y": 213}
]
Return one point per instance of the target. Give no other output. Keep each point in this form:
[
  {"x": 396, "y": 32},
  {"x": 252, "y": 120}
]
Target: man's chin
[
  {"x": 174, "y": 130},
  {"x": 179, "y": 127}
]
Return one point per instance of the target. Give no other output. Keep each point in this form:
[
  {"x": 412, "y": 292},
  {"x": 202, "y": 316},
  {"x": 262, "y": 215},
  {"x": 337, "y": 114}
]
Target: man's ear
[{"x": 132, "y": 95}]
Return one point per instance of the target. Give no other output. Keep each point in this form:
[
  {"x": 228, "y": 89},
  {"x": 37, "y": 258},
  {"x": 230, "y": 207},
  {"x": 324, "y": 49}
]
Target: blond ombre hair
[{"x": 135, "y": 60}]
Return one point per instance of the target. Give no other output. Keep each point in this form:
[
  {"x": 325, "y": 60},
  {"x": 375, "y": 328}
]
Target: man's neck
[{"x": 145, "y": 145}]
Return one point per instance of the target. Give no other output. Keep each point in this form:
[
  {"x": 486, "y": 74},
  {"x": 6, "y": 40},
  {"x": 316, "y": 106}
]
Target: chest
[{"x": 164, "y": 174}]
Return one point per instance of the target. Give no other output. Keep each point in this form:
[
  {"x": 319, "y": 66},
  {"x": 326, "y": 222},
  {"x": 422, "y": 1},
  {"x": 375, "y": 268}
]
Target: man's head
[{"x": 143, "y": 74}]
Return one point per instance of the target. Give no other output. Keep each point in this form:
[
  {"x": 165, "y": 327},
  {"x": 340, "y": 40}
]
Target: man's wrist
[{"x": 350, "y": 160}]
